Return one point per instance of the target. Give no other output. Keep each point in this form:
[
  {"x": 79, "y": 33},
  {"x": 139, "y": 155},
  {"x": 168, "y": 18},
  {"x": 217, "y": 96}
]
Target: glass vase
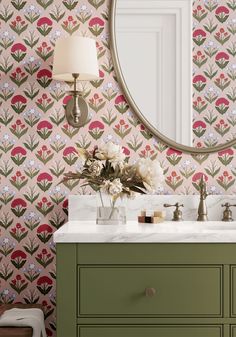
[{"x": 108, "y": 212}]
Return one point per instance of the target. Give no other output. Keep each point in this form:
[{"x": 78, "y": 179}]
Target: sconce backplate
[{"x": 84, "y": 118}]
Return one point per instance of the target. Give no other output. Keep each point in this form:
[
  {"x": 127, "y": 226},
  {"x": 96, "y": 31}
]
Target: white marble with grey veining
[
  {"x": 132, "y": 232},
  {"x": 83, "y": 207},
  {"x": 82, "y": 226}
]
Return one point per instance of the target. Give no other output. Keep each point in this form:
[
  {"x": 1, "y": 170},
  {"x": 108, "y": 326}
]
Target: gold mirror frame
[{"x": 134, "y": 107}]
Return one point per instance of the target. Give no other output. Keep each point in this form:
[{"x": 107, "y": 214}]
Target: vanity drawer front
[
  {"x": 150, "y": 331},
  {"x": 180, "y": 291}
]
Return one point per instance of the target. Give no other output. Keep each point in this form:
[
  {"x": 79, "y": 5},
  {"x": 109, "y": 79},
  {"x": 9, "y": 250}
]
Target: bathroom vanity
[{"x": 163, "y": 280}]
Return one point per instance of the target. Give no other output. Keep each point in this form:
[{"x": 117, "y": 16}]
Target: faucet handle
[
  {"x": 177, "y": 215},
  {"x": 227, "y": 204},
  {"x": 177, "y": 205},
  {"x": 227, "y": 214}
]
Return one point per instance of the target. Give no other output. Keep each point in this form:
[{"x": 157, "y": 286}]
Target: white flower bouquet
[{"x": 106, "y": 170}]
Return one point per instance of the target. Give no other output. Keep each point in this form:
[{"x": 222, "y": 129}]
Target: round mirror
[{"x": 175, "y": 78}]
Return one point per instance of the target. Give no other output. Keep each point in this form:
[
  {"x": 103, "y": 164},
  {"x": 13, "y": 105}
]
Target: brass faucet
[
  {"x": 202, "y": 208},
  {"x": 227, "y": 214},
  {"x": 177, "y": 215}
]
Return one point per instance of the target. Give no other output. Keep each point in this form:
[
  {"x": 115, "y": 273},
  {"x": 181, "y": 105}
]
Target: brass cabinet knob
[{"x": 150, "y": 292}]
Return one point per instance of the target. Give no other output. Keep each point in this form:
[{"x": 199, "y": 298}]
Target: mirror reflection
[{"x": 178, "y": 64}]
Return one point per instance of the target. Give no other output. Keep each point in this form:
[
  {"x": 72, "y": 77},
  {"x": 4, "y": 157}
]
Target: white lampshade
[{"x": 75, "y": 55}]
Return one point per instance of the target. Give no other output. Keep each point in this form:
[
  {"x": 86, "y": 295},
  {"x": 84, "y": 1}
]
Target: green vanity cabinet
[{"x": 146, "y": 290}]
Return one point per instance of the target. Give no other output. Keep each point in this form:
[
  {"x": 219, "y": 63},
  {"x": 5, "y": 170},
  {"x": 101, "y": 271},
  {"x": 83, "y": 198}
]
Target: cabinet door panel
[
  {"x": 233, "y": 291},
  {"x": 150, "y": 331},
  {"x": 233, "y": 330},
  {"x": 179, "y": 291}
]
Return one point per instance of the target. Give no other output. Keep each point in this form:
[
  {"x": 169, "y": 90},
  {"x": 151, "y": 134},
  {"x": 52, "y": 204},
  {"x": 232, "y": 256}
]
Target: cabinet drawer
[
  {"x": 150, "y": 331},
  {"x": 185, "y": 291}
]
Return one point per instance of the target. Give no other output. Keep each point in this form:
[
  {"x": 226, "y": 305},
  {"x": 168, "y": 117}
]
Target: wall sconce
[{"x": 75, "y": 59}]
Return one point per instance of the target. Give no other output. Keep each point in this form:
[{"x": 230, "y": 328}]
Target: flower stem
[
  {"x": 112, "y": 208},
  {"x": 100, "y": 193}
]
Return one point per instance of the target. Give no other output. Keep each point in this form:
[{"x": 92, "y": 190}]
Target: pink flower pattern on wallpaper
[
  {"x": 214, "y": 71},
  {"x": 37, "y": 145}
]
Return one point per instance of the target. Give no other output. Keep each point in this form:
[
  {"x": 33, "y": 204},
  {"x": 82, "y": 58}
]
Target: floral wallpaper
[
  {"x": 214, "y": 72},
  {"x": 37, "y": 145}
]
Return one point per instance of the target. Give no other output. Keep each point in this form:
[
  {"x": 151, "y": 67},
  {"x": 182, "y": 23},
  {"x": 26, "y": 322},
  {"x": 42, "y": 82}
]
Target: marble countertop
[{"x": 133, "y": 232}]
